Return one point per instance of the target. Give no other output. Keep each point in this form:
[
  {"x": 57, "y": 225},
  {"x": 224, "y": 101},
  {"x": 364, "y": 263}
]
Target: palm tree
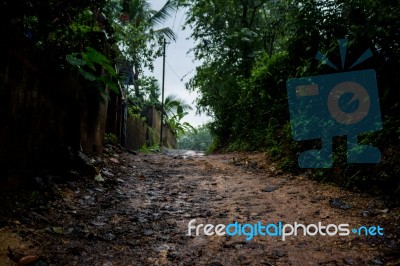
[
  {"x": 175, "y": 106},
  {"x": 175, "y": 109},
  {"x": 144, "y": 20},
  {"x": 139, "y": 11}
]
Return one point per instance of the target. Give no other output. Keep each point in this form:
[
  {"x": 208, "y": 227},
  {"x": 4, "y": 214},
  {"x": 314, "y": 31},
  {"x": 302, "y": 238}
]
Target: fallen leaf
[
  {"x": 114, "y": 160},
  {"x": 99, "y": 178},
  {"x": 58, "y": 230},
  {"x": 28, "y": 260}
]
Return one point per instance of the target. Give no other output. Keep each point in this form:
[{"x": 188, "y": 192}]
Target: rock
[
  {"x": 369, "y": 213},
  {"x": 384, "y": 211},
  {"x": 278, "y": 253},
  {"x": 107, "y": 173},
  {"x": 348, "y": 261},
  {"x": 377, "y": 261},
  {"x": 216, "y": 264},
  {"x": 269, "y": 189},
  {"x": 99, "y": 178},
  {"x": 28, "y": 260},
  {"x": 109, "y": 236},
  {"x": 148, "y": 232},
  {"x": 58, "y": 230},
  {"x": 114, "y": 160},
  {"x": 279, "y": 172},
  {"x": 82, "y": 162},
  {"x": 337, "y": 203}
]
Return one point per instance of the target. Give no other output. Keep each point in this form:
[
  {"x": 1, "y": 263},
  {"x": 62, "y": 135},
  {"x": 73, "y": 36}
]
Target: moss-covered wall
[{"x": 141, "y": 133}]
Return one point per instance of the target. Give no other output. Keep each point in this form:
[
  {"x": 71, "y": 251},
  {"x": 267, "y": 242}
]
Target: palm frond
[
  {"x": 166, "y": 11},
  {"x": 174, "y": 104},
  {"x": 139, "y": 10},
  {"x": 166, "y": 32}
]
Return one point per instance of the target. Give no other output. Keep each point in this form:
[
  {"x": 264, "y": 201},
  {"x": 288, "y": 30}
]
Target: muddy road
[{"x": 136, "y": 212}]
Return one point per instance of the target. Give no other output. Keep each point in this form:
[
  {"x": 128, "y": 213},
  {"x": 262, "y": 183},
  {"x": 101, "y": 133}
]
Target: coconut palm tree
[
  {"x": 139, "y": 11},
  {"x": 175, "y": 106},
  {"x": 142, "y": 25},
  {"x": 175, "y": 109}
]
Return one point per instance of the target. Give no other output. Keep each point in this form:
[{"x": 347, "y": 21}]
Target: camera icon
[{"x": 322, "y": 107}]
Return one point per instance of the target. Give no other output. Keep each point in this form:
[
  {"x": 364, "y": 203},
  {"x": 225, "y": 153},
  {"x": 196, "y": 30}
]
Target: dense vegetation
[
  {"x": 249, "y": 50},
  {"x": 198, "y": 140},
  {"x": 107, "y": 43}
]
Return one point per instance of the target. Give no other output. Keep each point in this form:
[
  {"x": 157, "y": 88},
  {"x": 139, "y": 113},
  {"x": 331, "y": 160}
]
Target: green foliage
[
  {"x": 146, "y": 149},
  {"x": 153, "y": 137},
  {"x": 148, "y": 96},
  {"x": 95, "y": 34},
  {"x": 249, "y": 49},
  {"x": 215, "y": 145},
  {"x": 175, "y": 110},
  {"x": 90, "y": 65},
  {"x": 134, "y": 111},
  {"x": 58, "y": 27},
  {"x": 110, "y": 138},
  {"x": 141, "y": 42},
  {"x": 198, "y": 139},
  {"x": 138, "y": 34}
]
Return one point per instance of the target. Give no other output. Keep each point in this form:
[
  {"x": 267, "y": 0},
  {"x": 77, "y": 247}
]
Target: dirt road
[{"x": 138, "y": 210}]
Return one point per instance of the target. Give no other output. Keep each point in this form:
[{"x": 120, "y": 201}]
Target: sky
[{"x": 180, "y": 65}]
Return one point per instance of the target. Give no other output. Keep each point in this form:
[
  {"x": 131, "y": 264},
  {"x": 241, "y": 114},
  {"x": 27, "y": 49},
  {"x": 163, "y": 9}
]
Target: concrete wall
[
  {"x": 140, "y": 132},
  {"x": 136, "y": 133},
  {"x": 153, "y": 118},
  {"x": 169, "y": 138}
]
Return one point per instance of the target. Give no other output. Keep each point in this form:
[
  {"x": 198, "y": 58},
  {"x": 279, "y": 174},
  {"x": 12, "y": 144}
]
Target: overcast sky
[{"x": 179, "y": 66}]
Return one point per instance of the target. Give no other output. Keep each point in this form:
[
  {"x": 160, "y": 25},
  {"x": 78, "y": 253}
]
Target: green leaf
[
  {"x": 96, "y": 56},
  {"x": 110, "y": 70},
  {"x": 73, "y": 60},
  {"x": 87, "y": 75},
  {"x": 88, "y": 61},
  {"x": 58, "y": 230},
  {"x": 179, "y": 109},
  {"x": 111, "y": 84}
]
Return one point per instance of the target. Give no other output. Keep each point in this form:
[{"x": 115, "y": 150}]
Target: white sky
[{"x": 180, "y": 65}]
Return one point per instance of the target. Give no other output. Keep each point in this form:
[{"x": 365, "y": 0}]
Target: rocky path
[{"x": 136, "y": 212}]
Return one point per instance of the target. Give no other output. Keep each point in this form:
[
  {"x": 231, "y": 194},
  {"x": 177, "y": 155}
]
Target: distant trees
[
  {"x": 250, "y": 48},
  {"x": 199, "y": 139}
]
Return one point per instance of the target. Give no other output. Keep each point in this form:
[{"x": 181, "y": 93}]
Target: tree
[
  {"x": 174, "y": 105},
  {"x": 249, "y": 49},
  {"x": 175, "y": 110},
  {"x": 198, "y": 140},
  {"x": 139, "y": 38},
  {"x": 231, "y": 36}
]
